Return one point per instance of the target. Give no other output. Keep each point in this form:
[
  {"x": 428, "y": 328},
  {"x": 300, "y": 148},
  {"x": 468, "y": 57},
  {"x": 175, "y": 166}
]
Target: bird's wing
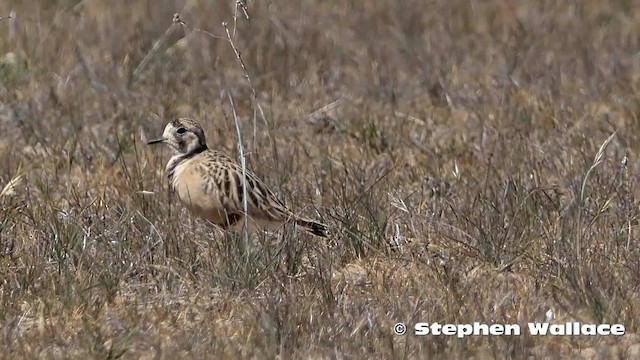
[{"x": 226, "y": 181}]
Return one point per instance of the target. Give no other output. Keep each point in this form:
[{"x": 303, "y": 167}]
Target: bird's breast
[{"x": 192, "y": 184}]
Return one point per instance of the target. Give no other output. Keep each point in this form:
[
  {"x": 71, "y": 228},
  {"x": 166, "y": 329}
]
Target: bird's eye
[{"x": 181, "y": 131}]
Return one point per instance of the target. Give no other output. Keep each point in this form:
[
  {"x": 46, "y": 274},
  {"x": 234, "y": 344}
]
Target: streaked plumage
[{"x": 210, "y": 184}]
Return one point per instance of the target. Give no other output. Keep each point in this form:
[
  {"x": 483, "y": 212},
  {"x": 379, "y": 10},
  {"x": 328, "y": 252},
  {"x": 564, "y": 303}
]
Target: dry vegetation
[{"x": 474, "y": 133}]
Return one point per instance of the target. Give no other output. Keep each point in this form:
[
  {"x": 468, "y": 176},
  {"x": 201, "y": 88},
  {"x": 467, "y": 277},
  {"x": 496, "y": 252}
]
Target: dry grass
[{"x": 473, "y": 131}]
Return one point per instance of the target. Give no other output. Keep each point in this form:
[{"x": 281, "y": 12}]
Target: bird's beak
[{"x": 155, "y": 141}]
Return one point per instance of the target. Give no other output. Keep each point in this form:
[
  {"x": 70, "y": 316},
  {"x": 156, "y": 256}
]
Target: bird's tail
[{"x": 314, "y": 227}]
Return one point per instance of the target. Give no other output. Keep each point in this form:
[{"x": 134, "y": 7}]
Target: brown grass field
[{"x": 494, "y": 144}]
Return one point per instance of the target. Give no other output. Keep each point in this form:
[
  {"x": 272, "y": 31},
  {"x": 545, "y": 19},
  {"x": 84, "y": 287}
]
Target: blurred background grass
[{"x": 472, "y": 133}]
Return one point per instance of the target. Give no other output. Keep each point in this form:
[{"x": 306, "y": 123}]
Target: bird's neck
[
  {"x": 194, "y": 148},
  {"x": 180, "y": 158}
]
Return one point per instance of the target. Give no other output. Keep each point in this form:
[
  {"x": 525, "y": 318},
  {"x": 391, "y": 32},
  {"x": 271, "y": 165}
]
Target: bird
[{"x": 210, "y": 184}]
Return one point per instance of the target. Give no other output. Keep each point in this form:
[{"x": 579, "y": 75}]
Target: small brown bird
[{"x": 210, "y": 184}]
